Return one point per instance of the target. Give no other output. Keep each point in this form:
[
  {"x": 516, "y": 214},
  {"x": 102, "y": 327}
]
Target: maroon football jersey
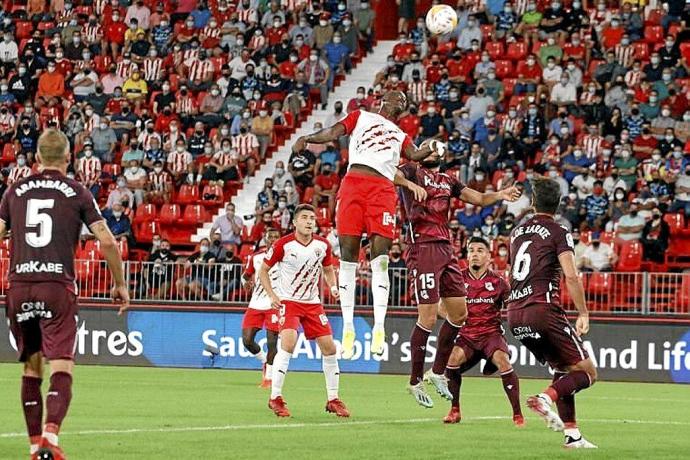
[
  {"x": 485, "y": 298},
  {"x": 535, "y": 274},
  {"x": 429, "y": 220},
  {"x": 45, "y": 213}
]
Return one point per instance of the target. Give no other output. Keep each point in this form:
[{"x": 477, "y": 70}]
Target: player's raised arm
[
  {"x": 476, "y": 198},
  {"x": 418, "y": 192},
  {"x": 575, "y": 289},
  {"x": 111, "y": 252},
  {"x": 265, "y": 281},
  {"x": 320, "y": 137}
]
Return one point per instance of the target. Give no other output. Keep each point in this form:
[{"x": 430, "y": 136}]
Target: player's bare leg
[
  {"x": 426, "y": 319},
  {"x": 380, "y": 288},
  {"x": 249, "y": 342},
  {"x": 272, "y": 349},
  {"x": 456, "y": 314},
  {"x": 288, "y": 340},
  {"x": 566, "y": 402},
  {"x": 511, "y": 384},
  {"x": 32, "y": 400},
  {"x": 454, "y": 374},
  {"x": 347, "y": 283},
  {"x": 331, "y": 372},
  {"x": 57, "y": 404}
]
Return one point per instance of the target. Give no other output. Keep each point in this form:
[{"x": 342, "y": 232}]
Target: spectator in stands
[
  {"x": 133, "y": 153},
  {"x": 301, "y": 167},
  {"x": 337, "y": 55},
  {"x": 159, "y": 185},
  {"x": 159, "y": 270},
  {"x": 326, "y": 187},
  {"x": 120, "y": 195},
  {"x": 260, "y": 226},
  {"x": 596, "y": 205},
  {"x": 136, "y": 178},
  {"x": 469, "y": 218},
  {"x": 267, "y": 199},
  {"x": 201, "y": 273},
  {"x": 262, "y": 128},
  {"x": 119, "y": 223},
  {"x": 364, "y": 22},
  {"x": 317, "y": 73},
  {"x": 88, "y": 170},
  {"x": 655, "y": 236},
  {"x": 630, "y": 226},
  {"x": 598, "y": 256},
  {"x": 229, "y": 226},
  {"x": 180, "y": 162},
  {"x": 51, "y": 84}
]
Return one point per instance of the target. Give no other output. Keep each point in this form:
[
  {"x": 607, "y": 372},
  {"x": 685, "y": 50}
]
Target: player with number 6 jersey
[
  {"x": 259, "y": 314},
  {"x": 302, "y": 258},
  {"x": 433, "y": 268},
  {"x": 367, "y": 203},
  {"x": 541, "y": 251},
  {"x": 45, "y": 213}
]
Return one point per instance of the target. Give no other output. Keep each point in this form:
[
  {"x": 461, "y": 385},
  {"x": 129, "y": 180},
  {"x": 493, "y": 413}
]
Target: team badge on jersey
[{"x": 489, "y": 286}]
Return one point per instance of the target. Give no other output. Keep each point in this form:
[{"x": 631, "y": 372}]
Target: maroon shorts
[
  {"x": 546, "y": 332},
  {"x": 482, "y": 348},
  {"x": 434, "y": 272},
  {"x": 366, "y": 204},
  {"x": 43, "y": 317},
  {"x": 261, "y": 319},
  {"x": 311, "y": 316}
]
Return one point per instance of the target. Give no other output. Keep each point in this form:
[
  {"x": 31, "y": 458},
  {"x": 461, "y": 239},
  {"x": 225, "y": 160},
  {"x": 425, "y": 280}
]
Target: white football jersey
[
  {"x": 260, "y": 300},
  {"x": 375, "y": 141},
  {"x": 300, "y": 267}
]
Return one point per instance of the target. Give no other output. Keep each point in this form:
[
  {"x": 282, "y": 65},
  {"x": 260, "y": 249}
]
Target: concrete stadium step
[{"x": 362, "y": 75}]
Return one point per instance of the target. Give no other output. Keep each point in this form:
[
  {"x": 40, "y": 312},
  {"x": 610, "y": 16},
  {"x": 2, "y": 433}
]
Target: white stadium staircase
[{"x": 362, "y": 75}]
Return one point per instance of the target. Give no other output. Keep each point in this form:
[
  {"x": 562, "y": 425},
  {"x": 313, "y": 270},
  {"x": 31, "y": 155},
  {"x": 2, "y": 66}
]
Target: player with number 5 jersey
[
  {"x": 45, "y": 213},
  {"x": 367, "y": 203},
  {"x": 541, "y": 251}
]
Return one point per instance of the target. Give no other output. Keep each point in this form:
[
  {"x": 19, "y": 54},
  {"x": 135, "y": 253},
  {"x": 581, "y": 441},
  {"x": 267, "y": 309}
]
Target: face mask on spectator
[
  {"x": 180, "y": 148},
  {"x": 323, "y": 23},
  {"x": 677, "y": 154},
  {"x": 282, "y": 204},
  {"x": 532, "y": 111},
  {"x": 625, "y": 154},
  {"x": 158, "y": 169},
  {"x": 203, "y": 249},
  {"x": 656, "y": 157},
  {"x": 479, "y": 177},
  {"x": 554, "y": 141},
  {"x": 88, "y": 153},
  {"x": 654, "y": 60},
  {"x": 288, "y": 189},
  {"x": 553, "y": 173},
  {"x": 122, "y": 183}
]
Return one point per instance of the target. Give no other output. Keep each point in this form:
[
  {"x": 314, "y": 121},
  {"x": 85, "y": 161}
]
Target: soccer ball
[{"x": 441, "y": 19}]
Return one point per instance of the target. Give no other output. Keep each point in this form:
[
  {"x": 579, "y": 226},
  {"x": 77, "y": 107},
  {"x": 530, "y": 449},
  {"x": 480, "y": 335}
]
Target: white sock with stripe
[
  {"x": 332, "y": 373},
  {"x": 347, "y": 280},
  {"x": 280, "y": 368},
  {"x": 261, "y": 356}
]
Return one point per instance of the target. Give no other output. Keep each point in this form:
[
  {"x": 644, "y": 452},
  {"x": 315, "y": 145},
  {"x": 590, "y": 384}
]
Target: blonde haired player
[
  {"x": 303, "y": 258},
  {"x": 367, "y": 201}
]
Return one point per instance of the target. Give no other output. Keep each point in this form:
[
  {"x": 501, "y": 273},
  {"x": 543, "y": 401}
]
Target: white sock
[
  {"x": 51, "y": 437},
  {"x": 33, "y": 448},
  {"x": 269, "y": 371},
  {"x": 332, "y": 373},
  {"x": 280, "y": 367},
  {"x": 347, "y": 280},
  {"x": 573, "y": 433},
  {"x": 380, "y": 286},
  {"x": 261, "y": 356}
]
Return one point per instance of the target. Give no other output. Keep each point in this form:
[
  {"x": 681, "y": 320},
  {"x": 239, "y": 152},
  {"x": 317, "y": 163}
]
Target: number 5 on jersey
[{"x": 39, "y": 224}]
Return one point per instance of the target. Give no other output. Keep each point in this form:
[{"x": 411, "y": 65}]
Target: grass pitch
[{"x": 145, "y": 413}]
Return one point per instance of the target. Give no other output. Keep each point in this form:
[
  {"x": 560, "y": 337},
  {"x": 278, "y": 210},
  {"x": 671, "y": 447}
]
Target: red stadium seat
[
  {"x": 188, "y": 194},
  {"x": 599, "y": 283},
  {"x": 246, "y": 250},
  {"x": 509, "y": 86},
  {"x": 654, "y": 34},
  {"x": 209, "y": 191},
  {"x": 654, "y": 18},
  {"x": 170, "y": 214},
  {"x": 516, "y": 51},
  {"x": 641, "y": 51},
  {"x": 630, "y": 257},
  {"x": 194, "y": 215},
  {"x": 495, "y": 50},
  {"x": 676, "y": 222},
  {"x": 486, "y": 31},
  {"x": 24, "y": 29},
  {"x": 145, "y": 213},
  {"x": 323, "y": 217},
  {"x": 685, "y": 50},
  {"x": 8, "y": 153},
  {"x": 504, "y": 69}
]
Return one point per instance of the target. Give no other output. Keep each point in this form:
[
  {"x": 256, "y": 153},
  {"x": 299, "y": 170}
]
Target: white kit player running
[
  {"x": 367, "y": 203},
  {"x": 303, "y": 257},
  {"x": 259, "y": 314}
]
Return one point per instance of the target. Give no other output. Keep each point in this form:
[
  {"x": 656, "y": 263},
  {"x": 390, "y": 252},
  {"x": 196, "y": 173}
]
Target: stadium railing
[{"x": 641, "y": 293}]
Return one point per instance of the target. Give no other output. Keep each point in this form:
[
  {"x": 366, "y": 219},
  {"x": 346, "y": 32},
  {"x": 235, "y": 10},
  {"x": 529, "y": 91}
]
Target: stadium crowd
[{"x": 171, "y": 105}]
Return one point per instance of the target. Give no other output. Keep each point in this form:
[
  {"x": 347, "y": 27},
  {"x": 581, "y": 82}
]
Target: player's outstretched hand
[
  {"x": 418, "y": 192},
  {"x": 299, "y": 145},
  {"x": 438, "y": 147},
  {"x": 335, "y": 292},
  {"x": 120, "y": 294},
  {"x": 276, "y": 303},
  {"x": 510, "y": 194},
  {"x": 582, "y": 325}
]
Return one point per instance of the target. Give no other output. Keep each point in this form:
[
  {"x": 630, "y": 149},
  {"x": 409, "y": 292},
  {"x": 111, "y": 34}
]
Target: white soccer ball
[{"x": 441, "y": 19}]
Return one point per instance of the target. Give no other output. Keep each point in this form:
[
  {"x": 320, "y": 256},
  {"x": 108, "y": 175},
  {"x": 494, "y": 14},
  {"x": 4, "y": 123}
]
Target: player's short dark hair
[
  {"x": 303, "y": 208},
  {"x": 480, "y": 240},
  {"x": 546, "y": 195},
  {"x": 271, "y": 229}
]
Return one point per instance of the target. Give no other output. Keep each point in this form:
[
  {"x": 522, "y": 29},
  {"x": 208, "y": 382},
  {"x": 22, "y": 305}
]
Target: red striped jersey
[
  {"x": 224, "y": 159},
  {"x": 198, "y": 69},
  {"x": 300, "y": 268},
  {"x": 625, "y": 55},
  {"x": 591, "y": 145},
  {"x": 17, "y": 173},
  {"x": 257, "y": 42},
  {"x": 417, "y": 91},
  {"x": 260, "y": 300},
  {"x": 153, "y": 68},
  {"x": 91, "y": 33},
  {"x": 633, "y": 79},
  {"x": 244, "y": 144},
  {"x": 248, "y": 15},
  {"x": 184, "y": 104},
  {"x": 145, "y": 139},
  {"x": 511, "y": 125},
  {"x": 179, "y": 161},
  {"x": 125, "y": 69},
  {"x": 89, "y": 169},
  {"x": 158, "y": 181}
]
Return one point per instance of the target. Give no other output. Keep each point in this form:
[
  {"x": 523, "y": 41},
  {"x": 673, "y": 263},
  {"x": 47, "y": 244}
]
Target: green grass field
[{"x": 144, "y": 413}]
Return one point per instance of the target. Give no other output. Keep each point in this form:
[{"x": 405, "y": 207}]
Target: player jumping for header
[
  {"x": 367, "y": 202},
  {"x": 259, "y": 314},
  {"x": 481, "y": 337},
  {"x": 540, "y": 251},
  {"x": 303, "y": 257},
  {"x": 45, "y": 213},
  {"x": 433, "y": 268}
]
